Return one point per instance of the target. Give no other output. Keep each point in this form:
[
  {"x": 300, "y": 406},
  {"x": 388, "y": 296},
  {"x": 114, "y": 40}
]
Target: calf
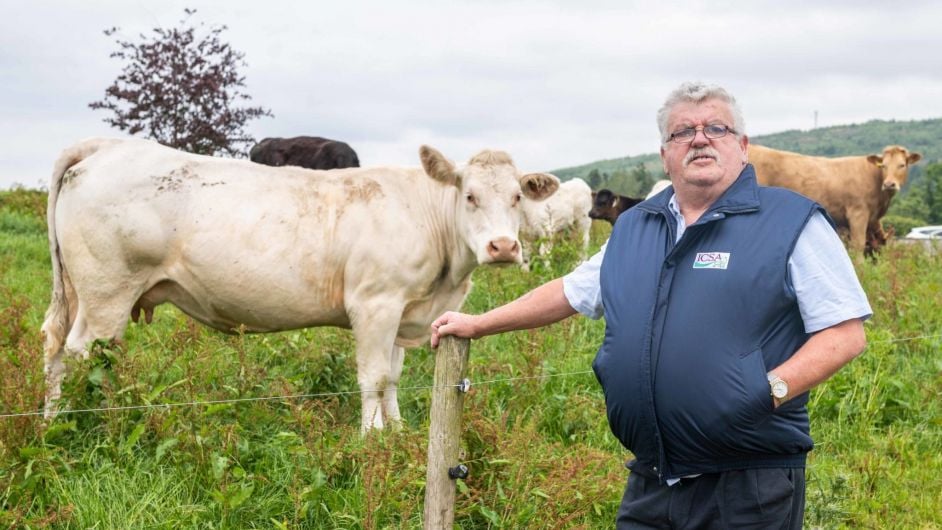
[
  {"x": 567, "y": 209},
  {"x": 609, "y": 205}
]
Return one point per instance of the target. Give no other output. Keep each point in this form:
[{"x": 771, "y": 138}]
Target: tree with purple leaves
[{"x": 182, "y": 87}]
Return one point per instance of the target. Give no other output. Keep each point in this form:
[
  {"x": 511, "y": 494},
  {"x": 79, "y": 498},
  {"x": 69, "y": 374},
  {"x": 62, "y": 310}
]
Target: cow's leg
[
  {"x": 544, "y": 248},
  {"x": 105, "y": 321},
  {"x": 858, "y": 220},
  {"x": 876, "y": 237},
  {"x": 584, "y": 227},
  {"x": 374, "y": 327},
  {"x": 526, "y": 251},
  {"x": 54, "y": 370},
  {"x": 391, "y": 392}
]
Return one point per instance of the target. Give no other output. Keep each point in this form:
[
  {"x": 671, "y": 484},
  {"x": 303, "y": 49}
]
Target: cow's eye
[
  {"x": 516, "y": 199},
  {"x": 901, "y": 166},
  {"x": 472, "y": 200}
]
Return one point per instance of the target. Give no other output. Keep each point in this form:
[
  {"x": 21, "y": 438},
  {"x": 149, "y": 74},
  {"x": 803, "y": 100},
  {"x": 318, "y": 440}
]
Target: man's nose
[{"x": 699, "y": 138}]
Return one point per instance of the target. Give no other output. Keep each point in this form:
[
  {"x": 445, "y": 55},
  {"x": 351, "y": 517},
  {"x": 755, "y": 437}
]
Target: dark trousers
[{"x": 749, "y": 498}]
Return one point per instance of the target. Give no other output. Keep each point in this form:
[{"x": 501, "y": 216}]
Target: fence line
[
  {"x": 334, "y": 394},
  {"x": 270, "y": 398}
]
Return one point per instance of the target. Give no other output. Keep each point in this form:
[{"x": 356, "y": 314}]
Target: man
[{"x": 725, "y": 303}]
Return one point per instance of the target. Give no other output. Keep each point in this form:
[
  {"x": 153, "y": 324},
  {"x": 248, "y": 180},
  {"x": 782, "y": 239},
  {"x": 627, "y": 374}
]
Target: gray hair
[{"x": 698, "y": 92}]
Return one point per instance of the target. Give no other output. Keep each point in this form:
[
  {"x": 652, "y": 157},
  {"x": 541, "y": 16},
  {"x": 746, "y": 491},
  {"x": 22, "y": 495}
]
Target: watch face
[{"x": 779, "y": 389}]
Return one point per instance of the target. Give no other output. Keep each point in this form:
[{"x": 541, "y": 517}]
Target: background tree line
[{"x": 634, "y": 182}]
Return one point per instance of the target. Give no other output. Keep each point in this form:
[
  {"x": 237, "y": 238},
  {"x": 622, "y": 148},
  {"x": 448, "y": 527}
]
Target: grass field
[{"x": 535, "y": 435}]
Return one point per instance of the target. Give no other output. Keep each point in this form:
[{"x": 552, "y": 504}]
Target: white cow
[
  {"x": 657, "y": 188},
  {"x": 567, "y": 209},
  {"x": 383, "y": 251}
]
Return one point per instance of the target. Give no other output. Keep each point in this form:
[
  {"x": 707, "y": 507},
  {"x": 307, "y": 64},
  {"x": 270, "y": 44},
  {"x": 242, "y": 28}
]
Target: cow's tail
[{"x": 63, "y": 306}]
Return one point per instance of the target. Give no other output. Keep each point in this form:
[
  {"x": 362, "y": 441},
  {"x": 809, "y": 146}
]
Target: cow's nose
[
  {"x": 890, "y": 186},
  {"x": 503, "y": 249}
]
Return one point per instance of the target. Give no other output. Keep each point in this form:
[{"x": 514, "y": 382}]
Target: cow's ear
[
  {"x": 538, "y": 186},
  {"x": 437, "y": 166},
  {"x": 913, "y": 158},
  {"x": 876, "y": 160}
]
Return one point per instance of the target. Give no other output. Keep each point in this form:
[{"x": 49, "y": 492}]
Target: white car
[{"x": 925, "y": 232}]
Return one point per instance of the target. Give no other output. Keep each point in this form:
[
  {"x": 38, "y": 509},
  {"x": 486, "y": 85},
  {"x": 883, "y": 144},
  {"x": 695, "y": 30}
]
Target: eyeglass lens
[{"x": 710, "y": 131}]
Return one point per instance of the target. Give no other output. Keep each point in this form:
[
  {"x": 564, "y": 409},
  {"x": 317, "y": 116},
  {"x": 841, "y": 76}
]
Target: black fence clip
[{"x": 459, "y": 471}]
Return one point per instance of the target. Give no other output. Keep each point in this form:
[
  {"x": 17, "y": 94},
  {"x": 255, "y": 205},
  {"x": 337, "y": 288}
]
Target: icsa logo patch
[{"x": 711, "y": 260}]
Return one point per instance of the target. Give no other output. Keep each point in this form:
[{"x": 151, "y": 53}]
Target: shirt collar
[
  {"x": 678, "y": 217},
  {"x": 672, "y": 206}
]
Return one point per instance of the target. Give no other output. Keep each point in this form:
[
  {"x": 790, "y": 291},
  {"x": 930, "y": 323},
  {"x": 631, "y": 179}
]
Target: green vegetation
[
  {"x": 616, "y": 174},
  {"x": 899, "y": 225},
  {"x": 634, "y": 183},
  {"x": 923, "y": 198},
  {"x": 535, "y": 438},
  {"x": 24, "y": 201}
]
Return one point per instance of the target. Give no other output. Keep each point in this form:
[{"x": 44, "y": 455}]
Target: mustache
[{"x": 701, "y": 151}]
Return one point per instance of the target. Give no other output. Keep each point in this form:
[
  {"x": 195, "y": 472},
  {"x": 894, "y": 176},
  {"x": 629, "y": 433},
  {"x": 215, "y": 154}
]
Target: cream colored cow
[
  {"x": 383, "y": 250},
  {"x": 567, "y": 209}
]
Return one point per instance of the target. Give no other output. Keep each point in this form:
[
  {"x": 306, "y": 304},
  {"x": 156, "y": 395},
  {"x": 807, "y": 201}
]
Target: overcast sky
[{"x": 554, "y": 83}]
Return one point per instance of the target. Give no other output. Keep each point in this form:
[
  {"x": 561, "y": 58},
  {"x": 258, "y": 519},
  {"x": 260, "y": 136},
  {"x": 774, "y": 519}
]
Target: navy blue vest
[{"x": 693, "y": 327}]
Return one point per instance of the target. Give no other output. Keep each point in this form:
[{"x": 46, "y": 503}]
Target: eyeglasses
[{"x": 685, "y": 136}]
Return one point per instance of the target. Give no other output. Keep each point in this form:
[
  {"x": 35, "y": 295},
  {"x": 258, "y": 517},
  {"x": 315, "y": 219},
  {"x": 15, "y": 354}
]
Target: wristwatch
[{"x": 778, "y": 386}]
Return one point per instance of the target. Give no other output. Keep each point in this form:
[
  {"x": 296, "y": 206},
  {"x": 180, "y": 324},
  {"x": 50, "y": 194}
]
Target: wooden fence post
[{"x": 444, "y": 434}]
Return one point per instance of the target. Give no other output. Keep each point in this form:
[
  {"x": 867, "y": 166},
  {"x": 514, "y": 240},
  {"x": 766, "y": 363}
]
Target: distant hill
[{"x": 923, "y": 136}]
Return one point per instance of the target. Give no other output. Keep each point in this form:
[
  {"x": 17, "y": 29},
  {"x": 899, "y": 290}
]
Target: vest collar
[{"x": 741, "y": 196}]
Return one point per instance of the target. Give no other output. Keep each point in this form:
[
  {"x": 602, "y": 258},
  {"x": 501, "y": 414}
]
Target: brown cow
[
  {"x": 311, "y": 152},
  {"x": 855, "y": 190},
  {"x": 608, "y": 205}
]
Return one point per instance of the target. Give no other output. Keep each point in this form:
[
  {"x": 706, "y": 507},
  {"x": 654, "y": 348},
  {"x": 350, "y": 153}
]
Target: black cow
[
  {"x": 311, "y": 152},
  {"x": 608, "y": 205}
]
